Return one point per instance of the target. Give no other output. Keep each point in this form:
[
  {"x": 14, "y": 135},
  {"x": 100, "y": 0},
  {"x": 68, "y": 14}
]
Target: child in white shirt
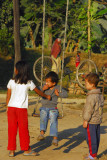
[{"x": 17, "y": 104}]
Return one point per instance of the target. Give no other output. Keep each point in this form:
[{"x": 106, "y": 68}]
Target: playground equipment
[
  {"x": 47, "y": 66},
  {"x": 83, "y": 69},
  {"x": 43, "y": 65}
]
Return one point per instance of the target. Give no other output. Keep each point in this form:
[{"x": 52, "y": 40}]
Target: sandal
[
  {"x": 55, "y": 142},
  {"x": 88, "y": 158},
  {"x": 11, "y": 154},
  {"x": 40, "y": 137},
  {"x": 32, "y": 153}
]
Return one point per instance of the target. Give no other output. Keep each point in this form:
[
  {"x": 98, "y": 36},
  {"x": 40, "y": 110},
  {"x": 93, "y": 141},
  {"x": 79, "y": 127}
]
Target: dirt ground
[{"x": 72, "y": 144}]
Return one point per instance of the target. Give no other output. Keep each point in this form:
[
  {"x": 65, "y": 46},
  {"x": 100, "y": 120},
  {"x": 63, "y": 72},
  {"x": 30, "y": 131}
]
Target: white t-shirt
[{"x": 19, "y": 94}]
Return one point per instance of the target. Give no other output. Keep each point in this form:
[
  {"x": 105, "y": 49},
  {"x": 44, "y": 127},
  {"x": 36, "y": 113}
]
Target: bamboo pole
[
  {"x": 62, "y": 70},
  {"x": 89, "y": 29},
  {"x": 43, "y": 35}
]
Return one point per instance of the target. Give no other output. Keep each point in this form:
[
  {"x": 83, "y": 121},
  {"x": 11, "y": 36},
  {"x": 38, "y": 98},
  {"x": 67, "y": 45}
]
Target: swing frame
[{"x": 62, "y": 66}]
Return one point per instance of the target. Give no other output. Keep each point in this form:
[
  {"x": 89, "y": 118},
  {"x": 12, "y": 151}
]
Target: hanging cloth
[{"x": 56, "y": 49}]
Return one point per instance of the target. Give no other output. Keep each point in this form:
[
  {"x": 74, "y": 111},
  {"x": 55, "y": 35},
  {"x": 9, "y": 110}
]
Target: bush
[{"x": 6, "y": 42}]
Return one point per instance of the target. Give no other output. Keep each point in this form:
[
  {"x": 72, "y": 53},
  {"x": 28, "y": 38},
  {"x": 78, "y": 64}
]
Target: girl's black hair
[
  {"x": 23, "y": 75},
  {"x": 53, "y": 76}
]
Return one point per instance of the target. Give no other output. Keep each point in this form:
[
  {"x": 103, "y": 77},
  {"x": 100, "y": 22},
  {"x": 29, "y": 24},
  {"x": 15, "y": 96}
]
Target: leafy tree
[
  {"x": 99, "y": 26},
  {"x": 31, "y": 19},
  {"x": 77, "y": 32},
  {"x": 33, "y": 13},
  {"x": 6, "y": 27}
]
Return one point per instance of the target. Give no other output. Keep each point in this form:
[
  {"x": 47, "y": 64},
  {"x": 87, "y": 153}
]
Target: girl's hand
[
  {"x": 56, "y": 92},
  {"x": 85, "y": 124},
  {"x": 49, "y": 97},
  {"x": 6, "y": 109},
  {"x": 45, "y": 87}
]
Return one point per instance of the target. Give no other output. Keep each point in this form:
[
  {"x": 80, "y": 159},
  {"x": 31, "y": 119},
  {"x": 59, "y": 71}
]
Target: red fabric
[
  {"x": 18, "y": 118},
  {"x": 56, "y": 49},
  {"x": 77, "y": 63},
  {"x": 89, "y": 142}
]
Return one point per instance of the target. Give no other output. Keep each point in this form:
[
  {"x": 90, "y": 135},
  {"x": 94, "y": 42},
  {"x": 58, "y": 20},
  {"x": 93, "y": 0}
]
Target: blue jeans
[{"x": 45, "y": 115}]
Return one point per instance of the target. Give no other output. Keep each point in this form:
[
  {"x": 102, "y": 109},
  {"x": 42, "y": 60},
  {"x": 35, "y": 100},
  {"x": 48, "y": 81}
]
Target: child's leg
[
  {"x": 98, "y": 135},
  {"x": 91, "y": 137},
  {"x": 23, "y": 129},
  {"x": 12, "y": 129},
  {"x": 53, "y": 115},
  {"x": 44, "y": 116}
]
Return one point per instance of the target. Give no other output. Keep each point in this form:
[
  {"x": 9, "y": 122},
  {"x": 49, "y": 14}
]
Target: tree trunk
[
  {"x": 76, "y": 47},
  {"x": 32, "y": 39},
  {"x": 50, "y": 34},
  {"x": 37, "y": 30},
  {"x": 16, "y": 31}
]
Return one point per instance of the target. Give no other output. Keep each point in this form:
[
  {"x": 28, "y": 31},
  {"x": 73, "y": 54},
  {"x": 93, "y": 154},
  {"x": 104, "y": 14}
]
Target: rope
[
  {"x": 43, "y": 35},
  {"x": 62, "y": 70}
]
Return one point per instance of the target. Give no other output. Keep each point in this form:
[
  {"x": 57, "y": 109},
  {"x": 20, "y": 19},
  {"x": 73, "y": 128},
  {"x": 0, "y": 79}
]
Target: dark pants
[{"x": 93, "y": 138}]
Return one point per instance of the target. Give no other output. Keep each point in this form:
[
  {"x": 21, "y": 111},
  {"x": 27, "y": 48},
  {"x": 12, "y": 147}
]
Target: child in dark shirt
[{"x": 49, "y": 108}]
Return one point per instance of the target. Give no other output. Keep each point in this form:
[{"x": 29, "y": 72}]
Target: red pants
[{"x": 18, "y": 118}]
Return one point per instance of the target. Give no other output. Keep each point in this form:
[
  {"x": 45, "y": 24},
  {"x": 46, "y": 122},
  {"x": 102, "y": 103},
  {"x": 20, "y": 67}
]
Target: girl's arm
[
  {"x": 8, "y": 96},
  {"x": 40, "y": 93}
]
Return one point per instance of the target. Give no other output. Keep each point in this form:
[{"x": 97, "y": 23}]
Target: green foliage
[
  {"x": 31, "y": 16},
  {"x": 96, "y": 31},
  {"x": 6, "y": 28},
  {"x": 6, "y": 42},
  {"x": 94, "y": 8},
  {"x": 98, "y": 26},
  {"x": 103, "y": 23},
  {"x": 6, "y": 15}
]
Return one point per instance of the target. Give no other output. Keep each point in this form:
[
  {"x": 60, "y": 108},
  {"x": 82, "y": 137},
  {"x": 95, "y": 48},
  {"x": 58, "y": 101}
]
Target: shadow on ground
[{"x": 73, "y": 137}]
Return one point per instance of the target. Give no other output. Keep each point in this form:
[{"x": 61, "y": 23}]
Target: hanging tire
[
  {"x": 85, "y": 67},
  {"x": 47, "y": 67}
]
